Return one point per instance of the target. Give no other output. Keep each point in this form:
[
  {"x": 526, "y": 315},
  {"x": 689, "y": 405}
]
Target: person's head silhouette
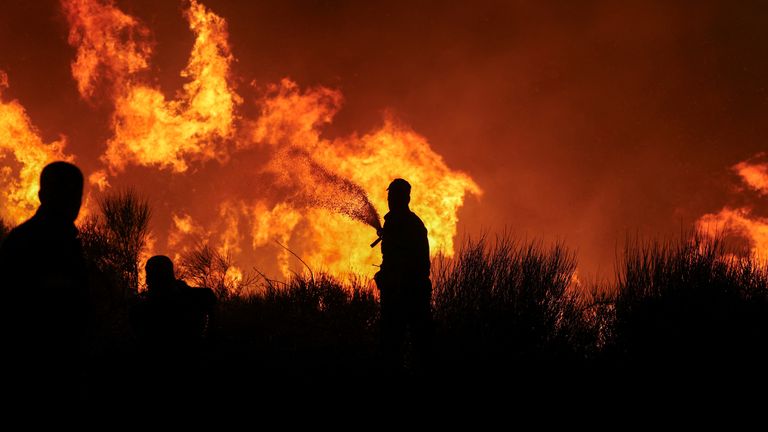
[
  {"x": 398, "y": 194},
  {"x": 61, "y": 191},
  {"x": 160, "y": 274}
]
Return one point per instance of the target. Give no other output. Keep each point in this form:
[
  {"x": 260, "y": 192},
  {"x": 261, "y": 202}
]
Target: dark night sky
[{"x": 582, "y": 121}]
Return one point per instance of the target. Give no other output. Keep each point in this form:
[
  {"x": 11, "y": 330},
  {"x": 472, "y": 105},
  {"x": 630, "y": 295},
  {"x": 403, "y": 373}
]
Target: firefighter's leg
[
  {"x": 392, "y": 331},
  {"x": 420, "y": 320}
]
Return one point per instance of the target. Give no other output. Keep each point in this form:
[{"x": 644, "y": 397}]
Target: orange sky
[{"x": 582, "y": 122}]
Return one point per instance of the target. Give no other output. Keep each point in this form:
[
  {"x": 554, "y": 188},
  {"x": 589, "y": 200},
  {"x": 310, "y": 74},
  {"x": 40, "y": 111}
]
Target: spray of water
[{"x": 314, "y": 185}]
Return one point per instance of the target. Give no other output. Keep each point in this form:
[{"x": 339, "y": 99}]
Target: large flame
[
  {"x": 330, "y": 192},
  {"x": 111, "y": 46},
  {"x": 394, "y": 151},
  {"x": 742, "y": 221},
  {"x": 23, "y": 154},
  {"x": 292, "y": 120},
  {"x": 149, "y": 129}
]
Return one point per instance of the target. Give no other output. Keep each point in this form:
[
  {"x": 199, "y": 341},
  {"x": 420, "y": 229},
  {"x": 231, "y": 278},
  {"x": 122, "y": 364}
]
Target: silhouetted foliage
[
  {"x": 306, "y": 329},
  {"x": 126, "y": 221},
  {"x": 506, "y": 301},
  {"x": 691, "y": 304},
  {"x": 112, "y": 242},
  {"x": 204, "y": 266},
  {"x": 115, "y": 238},
  {"x": 4, "y": 230},
  {"x": 503, "y": 309}
]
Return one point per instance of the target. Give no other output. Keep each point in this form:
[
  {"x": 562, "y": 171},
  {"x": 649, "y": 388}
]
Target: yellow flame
[
  {"x": 290, "y": 118},
  {"x": 25, "y": 155},
  {"x": 148, "y": 129},
  {"x": 197, "y": 125},
  {"x": 233, "y": 276},
  {"x": 277, "y": 223},
  {"x": 229, "y": 239},
  {"x": 397, "y": 151},
  {"x": 148, "y": 252},
  {"x": 111, "y": 45}
]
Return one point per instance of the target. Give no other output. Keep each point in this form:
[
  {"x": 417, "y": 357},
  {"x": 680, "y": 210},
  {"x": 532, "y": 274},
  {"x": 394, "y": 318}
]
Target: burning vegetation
[
  {"x": 318, "y": 188},
  {"x": 313, "y": 202}
]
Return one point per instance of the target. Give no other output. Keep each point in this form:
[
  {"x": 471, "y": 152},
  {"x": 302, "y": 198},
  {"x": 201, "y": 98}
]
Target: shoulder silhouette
[
  {"x": 172, "y": 321},
  {"x": 45, "y": 289},
  {"x": 172, "y": 315}
]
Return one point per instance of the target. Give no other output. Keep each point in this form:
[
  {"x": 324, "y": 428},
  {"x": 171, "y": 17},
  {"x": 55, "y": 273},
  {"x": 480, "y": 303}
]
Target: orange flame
[
  {"x": 755, "y": 175},
  {"x": 19, "y": 177},
  {"x": 290, "y": 119},
  {"x": 187, "y": 233},
  {"x": 329, "y": 185},
  {"x": 184, "y": 228},
  {"x": 148, "y": 129},
  {"x": 99, "y": 179},
  {"x": 144, "y": 256},
  {"x": 741, "y": 221},
  {"x": 394, "y": 151},
  {"x": 111, "y": 46},
  {"x": 275, "y": 224},
  {"x": 288, "y": 116}
]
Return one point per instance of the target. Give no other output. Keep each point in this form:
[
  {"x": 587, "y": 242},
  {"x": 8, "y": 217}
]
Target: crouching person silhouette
[
  {"x": 45, "y": 296},
  {"x": 403, "y": 281},
  {"x": 173, "y": 321}
]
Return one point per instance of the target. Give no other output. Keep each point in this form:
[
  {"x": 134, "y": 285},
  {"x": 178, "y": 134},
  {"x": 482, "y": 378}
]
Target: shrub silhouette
[
  {"x": 691, "y": 304},
  {"x": 115, "y": 238},
  {"x": 306, "y": 329},
  {"x": 503, "y": 307},
  {"x": 112, "y": 242},
  {"x": 505, "y": 302},
  {"x": 4, "y": 229},
  {"x": 204, "y": 266}
]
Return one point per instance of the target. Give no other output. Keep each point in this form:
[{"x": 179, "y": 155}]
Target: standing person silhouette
[
  {"x": 45, "y": 295},
  {"x": 403, "y": 281}
]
